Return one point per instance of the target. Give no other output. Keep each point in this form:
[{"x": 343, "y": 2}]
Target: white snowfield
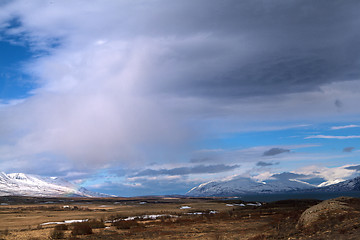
[
  {"x": 156, "y": 216},
  {"x": 20, "y": 184},
  {"x": 254, "y": 204},
  {"x": 65, "y": 222},
  {"x": 185, "y": 207},
  {"x": 201, "y": 213},
  {"x": 152, "y": 217},
  {"x": 144, "y": 217},
  {"x": 243, "y": 205}
]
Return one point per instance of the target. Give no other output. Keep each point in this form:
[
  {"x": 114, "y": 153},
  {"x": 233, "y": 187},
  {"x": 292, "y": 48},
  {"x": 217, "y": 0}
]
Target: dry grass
[
  {"x": 272, "y": 221},
  {"x": 81, "y": 228}
]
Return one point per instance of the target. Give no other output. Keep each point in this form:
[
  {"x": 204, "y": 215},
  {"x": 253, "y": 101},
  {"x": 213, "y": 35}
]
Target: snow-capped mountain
[
  {"x": 345, "y": 186},
  {"x": 241, "y": 185},
  {"x": 20, "y": 184}
]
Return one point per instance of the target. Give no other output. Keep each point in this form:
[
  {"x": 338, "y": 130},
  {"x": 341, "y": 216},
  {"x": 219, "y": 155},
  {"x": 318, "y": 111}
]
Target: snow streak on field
[
  {"x": 156, "y": 216},
  {"x": 65, "y": 222}
]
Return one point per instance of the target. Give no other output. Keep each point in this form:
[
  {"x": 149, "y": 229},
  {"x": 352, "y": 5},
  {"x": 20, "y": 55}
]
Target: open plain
[{"x": 171, "y": 218}]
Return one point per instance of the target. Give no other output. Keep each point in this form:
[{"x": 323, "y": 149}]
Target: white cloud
[
  {"x": 263, "y": 176},
  {"x": 333, "y": 137},
  {"x": 331, "y": 175},
  {"x": 345, "y": 126},
  {"x": 92, "y": 106},
  {"x": 103, "y": 96}
]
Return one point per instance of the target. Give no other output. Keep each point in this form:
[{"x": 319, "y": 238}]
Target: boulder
[{"x": 329, "y": 209}]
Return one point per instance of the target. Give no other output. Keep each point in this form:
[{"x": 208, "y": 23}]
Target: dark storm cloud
[
  {"x": 256, "y": 48},
  {"x": 348, "y": 149},
  {"x": 188, "y": 170},
  {"x": 275, "y": 151},
  {"x": 338, "y": 103},
  {"x": 357, "y": 168},
  {"x": 265, "y": 164}
]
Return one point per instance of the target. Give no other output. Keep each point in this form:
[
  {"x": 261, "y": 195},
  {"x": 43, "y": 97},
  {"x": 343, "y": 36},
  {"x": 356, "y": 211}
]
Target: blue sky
[
  {"x": 138, "y": 98},
  {"x": 14, "y": 83}
]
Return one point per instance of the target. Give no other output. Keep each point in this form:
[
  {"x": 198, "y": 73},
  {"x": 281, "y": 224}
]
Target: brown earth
[{"x": 289, "y": 219}]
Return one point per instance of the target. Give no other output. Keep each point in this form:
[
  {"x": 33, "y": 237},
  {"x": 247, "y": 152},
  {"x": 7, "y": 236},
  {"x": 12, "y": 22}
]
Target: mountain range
[
  {"x": 242, "y": 186},
  {"x": 20, "y": 184}
]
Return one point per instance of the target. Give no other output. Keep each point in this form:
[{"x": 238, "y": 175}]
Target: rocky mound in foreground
[{"x": 334, "y": 213}]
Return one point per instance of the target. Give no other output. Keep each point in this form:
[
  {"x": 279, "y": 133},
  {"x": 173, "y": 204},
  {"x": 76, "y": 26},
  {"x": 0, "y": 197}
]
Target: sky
[{"x": 154, "y": 97}]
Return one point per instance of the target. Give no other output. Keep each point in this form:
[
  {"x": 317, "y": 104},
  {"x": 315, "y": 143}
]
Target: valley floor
[{"x": 167, "y": 218}]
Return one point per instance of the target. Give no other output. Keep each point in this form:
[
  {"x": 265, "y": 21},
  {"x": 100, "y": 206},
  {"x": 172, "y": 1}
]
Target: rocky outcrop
[{"x": 330, "y": 210}]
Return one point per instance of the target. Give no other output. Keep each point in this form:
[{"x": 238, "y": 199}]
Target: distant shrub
[
  {"x": 258, "y": 237},
  {"x": 218, "y": 236},
  {"x": 126, "y": 224},
  {"x": 96, "y": 223},
  {"x": 72, "y": 238},
  {"x": 5, "y": 232},
  {"x": 343, "y": 230},
  {"x": 81, "y": 228},
  {"x": 116, "y": 217},
  {"x": 56, "y": 234},
  {"x": 61, "y": 227}
]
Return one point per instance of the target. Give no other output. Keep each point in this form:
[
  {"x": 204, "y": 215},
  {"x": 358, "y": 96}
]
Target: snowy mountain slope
[
  {"x": 345, "y": 186},
  {"x": 241, "y": 185},
  {"x": 21, "y": 184}
]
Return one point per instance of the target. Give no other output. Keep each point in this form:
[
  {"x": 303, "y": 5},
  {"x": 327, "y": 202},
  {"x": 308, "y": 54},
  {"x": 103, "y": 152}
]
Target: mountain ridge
[
  {"x": 21, "y": 184},
  {"x": 344, "y": 186},
  {"x": 243, "y": 186}
]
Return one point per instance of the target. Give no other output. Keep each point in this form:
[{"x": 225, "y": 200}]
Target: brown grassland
[{"x": 23, "y": 218}]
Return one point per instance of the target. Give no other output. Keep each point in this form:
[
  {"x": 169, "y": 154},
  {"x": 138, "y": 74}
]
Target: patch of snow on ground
[
  {"x": 155, "y": 216},
  {"x": 254, "y": 204},
  {"x": 195, "y": 213},
  {"x": 185, "y": 207},
  {"x": 241, "y": 205},
  {"x": 144, "y": 217},
  {"x": 65, "y": 222},
  {"x": 200, "y": 213}
]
